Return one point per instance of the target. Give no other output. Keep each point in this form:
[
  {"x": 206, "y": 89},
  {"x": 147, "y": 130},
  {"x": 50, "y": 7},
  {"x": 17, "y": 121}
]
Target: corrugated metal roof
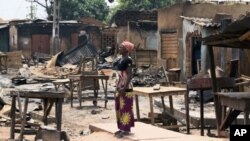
[
  {"x": 239, "y": 26},
  {"x": 41, "y": 21},
  {"x": 235, "y": 35},
  {"x": 74, "y": 55},
  {"x": 4, "y": 26},
  {"x": 61, "y": 22},
  {"x": 204, "y": 22}
]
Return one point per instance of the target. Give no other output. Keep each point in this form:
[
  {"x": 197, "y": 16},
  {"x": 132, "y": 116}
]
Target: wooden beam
[
  {"x": 245, "y": 36},
  {"x": 215, "y": 43},
  {"x": 230, "y": 117}
]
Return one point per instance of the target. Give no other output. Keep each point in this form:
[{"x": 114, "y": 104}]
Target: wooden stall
[{"x": 229, "y": 105}]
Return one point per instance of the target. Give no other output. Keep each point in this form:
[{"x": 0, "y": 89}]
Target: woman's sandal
[
  {"x": 126, "y": 133},
  {"x": 117, "y": 132},
  {"x": 120, "y": 135}
]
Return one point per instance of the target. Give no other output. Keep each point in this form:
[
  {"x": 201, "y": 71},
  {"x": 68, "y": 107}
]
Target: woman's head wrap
[{"x": 128, "y": 45}]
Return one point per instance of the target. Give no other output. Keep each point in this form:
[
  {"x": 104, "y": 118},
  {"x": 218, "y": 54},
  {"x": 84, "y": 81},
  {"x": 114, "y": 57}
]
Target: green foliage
[
  {"x": 144, "y": 4},
  {"x": 76, "y": 9},
  {"x": 140, "y": 5},
  {"x": 112, "y": 12},
  {"x": 98, "y": 9}
]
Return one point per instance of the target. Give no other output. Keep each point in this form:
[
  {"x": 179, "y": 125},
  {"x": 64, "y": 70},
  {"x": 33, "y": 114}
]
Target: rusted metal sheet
[
  {"x": 74, "y": 55},
  {"x": 40, "y": 44}
]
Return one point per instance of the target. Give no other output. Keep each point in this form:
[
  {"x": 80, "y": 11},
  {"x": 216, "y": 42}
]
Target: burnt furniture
[
  {"x": 61, "y": 82},
  {"x": 162, "y": 92},
  {"x": 236, "y": 102},
  {"x": 78, "y": 82},
  {"x": 235, "y": 35},
  {"x": 202, "y": 84},
  {"x": 46, "y": 96},
  {"x": 172, "y": 69},
  {"x": 88, "y": 78},
  {"x": 174, "y": 75}
]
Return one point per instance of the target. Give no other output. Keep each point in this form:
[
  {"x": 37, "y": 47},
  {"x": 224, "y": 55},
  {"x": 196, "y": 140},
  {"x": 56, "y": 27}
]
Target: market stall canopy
[{"x": 235, "y": 35}]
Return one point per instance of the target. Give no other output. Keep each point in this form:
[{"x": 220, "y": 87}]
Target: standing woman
[{"x": 124, "y": 96}]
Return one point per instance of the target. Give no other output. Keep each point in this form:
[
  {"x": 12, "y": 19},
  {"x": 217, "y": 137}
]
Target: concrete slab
[{"x": 147, "y": 132}]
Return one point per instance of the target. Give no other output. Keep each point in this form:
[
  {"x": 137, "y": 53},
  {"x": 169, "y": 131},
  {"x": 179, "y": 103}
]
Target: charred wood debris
[
  {"x": 63, "y": 64},
  {"x": 42, "y": 69}
]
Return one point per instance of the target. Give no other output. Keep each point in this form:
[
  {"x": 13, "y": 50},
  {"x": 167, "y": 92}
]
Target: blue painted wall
[{"x": 4, "y": 39}]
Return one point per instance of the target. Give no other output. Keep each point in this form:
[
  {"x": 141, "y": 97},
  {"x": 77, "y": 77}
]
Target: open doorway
[{"x": 196, "y": 54}]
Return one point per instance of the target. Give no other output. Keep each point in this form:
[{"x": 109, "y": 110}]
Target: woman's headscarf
[{"x": 128, "y": 45}]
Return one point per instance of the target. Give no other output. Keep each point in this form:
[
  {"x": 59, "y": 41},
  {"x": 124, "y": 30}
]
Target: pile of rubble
[{"x": 148, "y": 76}]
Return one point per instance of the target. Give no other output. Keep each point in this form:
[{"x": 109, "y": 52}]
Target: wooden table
[
  {"x": 237, "y": 102},
  {"x": 61, "y": 82},
  {"x": 202, "y": 84},
  {"x": 55, "y": 96},
  {"x": 163, "y": 91},
  {"x": 77, "y": 81}
]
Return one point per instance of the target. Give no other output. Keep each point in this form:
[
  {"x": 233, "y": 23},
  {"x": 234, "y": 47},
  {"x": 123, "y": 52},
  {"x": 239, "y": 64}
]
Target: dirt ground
[{"x": 76, "y": 120}]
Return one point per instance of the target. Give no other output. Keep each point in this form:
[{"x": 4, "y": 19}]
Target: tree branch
[
  {"x": 46, "y": 6},
  {"x": 40, "y": 3}
]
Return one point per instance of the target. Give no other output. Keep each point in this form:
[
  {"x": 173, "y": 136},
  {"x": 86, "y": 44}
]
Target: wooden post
[
  {"x": 56, "y": 25},
  {"x": 215, "y": 89},
  {"x": 128, "y": 31},
  {"x": 187, "y": 110},
  {"x": 13, "y": 117},
  {"x": 23, "y": 122},
  {"x": 202, "y": 112}
]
